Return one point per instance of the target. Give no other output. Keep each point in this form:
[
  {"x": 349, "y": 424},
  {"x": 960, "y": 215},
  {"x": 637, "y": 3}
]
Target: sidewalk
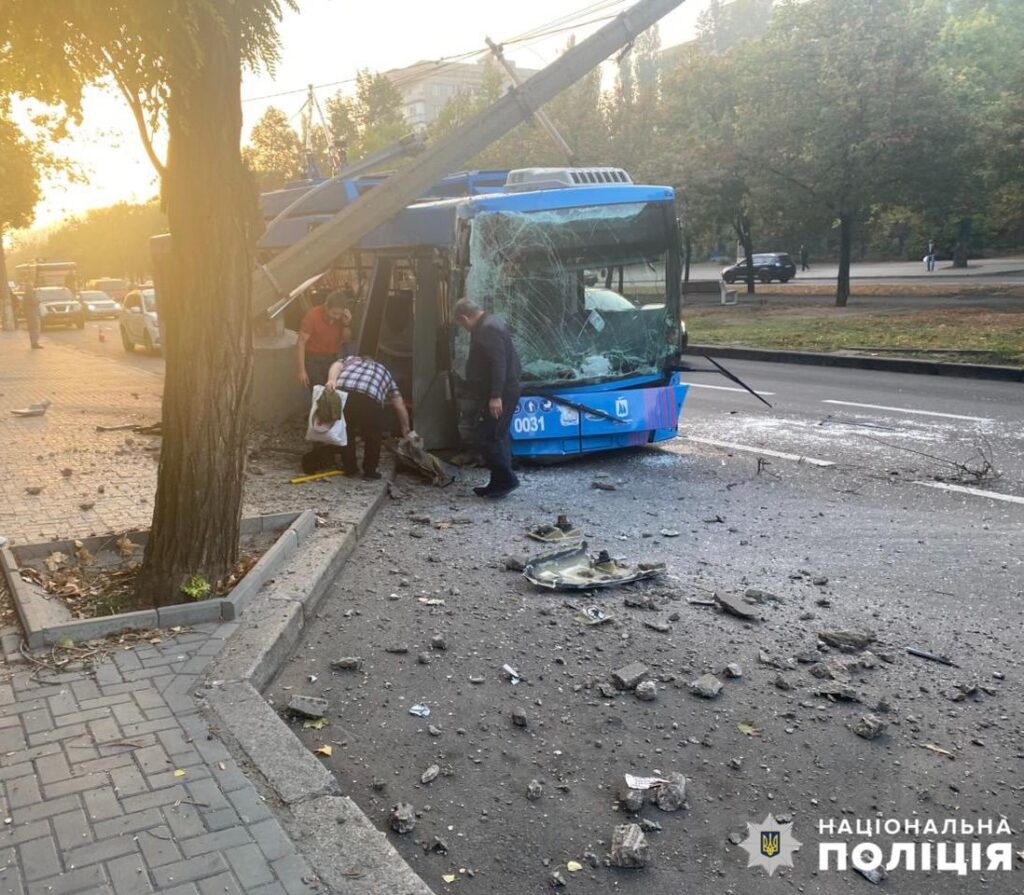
[{"x": 111, "y": 779}]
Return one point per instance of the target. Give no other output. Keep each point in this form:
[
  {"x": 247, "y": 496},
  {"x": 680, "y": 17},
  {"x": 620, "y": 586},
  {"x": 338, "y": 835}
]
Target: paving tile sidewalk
[
  {"x": 111, "y": 780},
  {"x": 91, "y": 798}
]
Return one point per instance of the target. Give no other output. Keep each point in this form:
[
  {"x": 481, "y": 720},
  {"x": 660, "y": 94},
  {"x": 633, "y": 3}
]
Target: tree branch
[{"x": 135, "y": 104}]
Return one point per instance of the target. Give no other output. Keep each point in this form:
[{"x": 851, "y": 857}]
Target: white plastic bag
[{"x": 335, "y": 434}]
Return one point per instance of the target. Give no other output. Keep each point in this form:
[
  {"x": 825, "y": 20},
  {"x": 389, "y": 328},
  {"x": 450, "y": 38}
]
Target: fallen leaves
[
  {"x": 749, "y": 728},
  {"x": 125, "y": 546},
  {"x": 178, "y": 772},
  {"x": 324, "y": 750},
  {"x": 314, "y": 724},
  {"x": 55, "y": 560}
]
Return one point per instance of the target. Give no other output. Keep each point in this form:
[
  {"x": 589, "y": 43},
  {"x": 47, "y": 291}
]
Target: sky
[{"x": 326, "y": 42}]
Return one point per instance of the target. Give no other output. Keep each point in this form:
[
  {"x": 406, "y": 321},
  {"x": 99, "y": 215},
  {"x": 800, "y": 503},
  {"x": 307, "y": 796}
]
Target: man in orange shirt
[{"x": 324, "y": 330}]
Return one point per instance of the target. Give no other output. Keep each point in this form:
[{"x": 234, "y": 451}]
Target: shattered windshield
[{"x": 583, "y": 290}]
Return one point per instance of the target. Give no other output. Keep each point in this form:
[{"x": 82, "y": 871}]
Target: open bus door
[{"x": 405, "y": 327}]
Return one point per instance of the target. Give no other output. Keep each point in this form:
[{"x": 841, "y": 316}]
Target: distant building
[{"x": 426, "y": 87}]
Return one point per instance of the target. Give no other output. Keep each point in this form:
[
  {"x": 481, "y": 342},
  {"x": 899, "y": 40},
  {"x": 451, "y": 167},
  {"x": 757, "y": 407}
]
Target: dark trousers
[
  {"x": 496, "y": 442},
  {"x": 318, "y": 366},
  {"x": 364, "y": 417}
]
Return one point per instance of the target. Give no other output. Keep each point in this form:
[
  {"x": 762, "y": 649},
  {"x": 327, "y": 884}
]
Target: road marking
[
  {"x": 756, "y": 450},
  {"x": 724, "y": 388},
  {"x": 977, "y": 492},
  {"x": 952, "y": 416}
]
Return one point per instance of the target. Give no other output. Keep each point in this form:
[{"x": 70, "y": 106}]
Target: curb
[
  {"x": 45, "y": 625},
  {"x": 343, "y": 846},
  {"x": 886, "y": 364}
]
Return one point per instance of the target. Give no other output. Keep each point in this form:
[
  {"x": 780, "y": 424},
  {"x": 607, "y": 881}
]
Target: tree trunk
[
  {"x": 742, "y": 227},
  {"x": 845, "y": 244},
  {"x": 6, "y": 303},
  {"x": 204, "y": 305},
  {"x": 687, "y": 252}
]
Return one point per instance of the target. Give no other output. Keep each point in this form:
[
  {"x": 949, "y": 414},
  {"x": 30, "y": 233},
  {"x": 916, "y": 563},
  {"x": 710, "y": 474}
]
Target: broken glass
[{"x": 583, "y": 290}]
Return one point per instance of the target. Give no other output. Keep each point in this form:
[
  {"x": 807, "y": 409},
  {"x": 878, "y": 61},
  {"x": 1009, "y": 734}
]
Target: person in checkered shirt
[{"x": 369, "y": 386}]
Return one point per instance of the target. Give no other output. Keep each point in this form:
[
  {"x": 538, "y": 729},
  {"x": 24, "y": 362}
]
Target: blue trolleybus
[{"x": 584, "y": 266}]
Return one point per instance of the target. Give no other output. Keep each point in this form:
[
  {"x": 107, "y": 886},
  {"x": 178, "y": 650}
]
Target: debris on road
[
  {"x": 629, "y": 847},
  {"x": 938, "y": 750},
  {"x": 599, "y": 485},
  {"x": 932, "y": 657},
  {"x": 707, "y": 686},
  {"x": 643, "y": 783},
  {"x": 732, "y": 606},
  {"x": 32, "y": 409},
  {"x": 347, "y": 663},
  {"x": 869, "y": 727},
  {"x": 573, "y": 866},
  {"x": 519, "y": 718},
  {"x": 420, "y": 710},
  {"x": 561, "y": 530},
  {"x": 847, "y": 641},
  {"x": 307, "y": 706},
  {"x": 403, "y": 818},
  {"x": 534, "y": 790},
  {"x": 670, "y": 794},
  {"x": 838, "y": 693},
  {"x": 627, "y": 677},
  {"x": 411, "y": 456},
  {"x": 437, "y": 642},
  {"x": 662, "y": 627},
  {"x": 873, "y": 875},
  {"x": 750, "y": 729},
  {"x": 557, "y": 880},
  {"x": 514, "y": 563},
  {"x": 669, "y": 533},
  {"x": 756, "y": 595},
  {"x": 592, "y": 615},
  {"x": 397, "y": 648},
  {"x": 430, "y": 774},
  {"x": 646, "y": 691},
  {"x": 514, "y": 677},
  {"x": 574, "y": 569},
  {"x": 734, "y": 671}
]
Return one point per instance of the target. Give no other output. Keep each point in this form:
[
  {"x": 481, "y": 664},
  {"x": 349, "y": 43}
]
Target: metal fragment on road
[
  {"x": 574, "y": 569},
  {"x": 420, "y": 710},
  {"x": 514, "y": 676},
  {"x": 643, "y": 783},
  {"x": 932, "y": 657}
]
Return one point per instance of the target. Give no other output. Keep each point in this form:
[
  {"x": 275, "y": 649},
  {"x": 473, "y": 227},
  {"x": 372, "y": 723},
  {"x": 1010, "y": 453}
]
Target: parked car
[
  {"x": 98, "y": 304},
  {"x": 767, "y": 267},
  {"x": 59, "y": 307},
  {"x": 138, "y": 321}
]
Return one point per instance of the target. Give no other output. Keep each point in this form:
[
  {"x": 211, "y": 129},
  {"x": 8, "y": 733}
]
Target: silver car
[
  {"x": 98, "y": 304},
  {"x": 139, "y": 323}
]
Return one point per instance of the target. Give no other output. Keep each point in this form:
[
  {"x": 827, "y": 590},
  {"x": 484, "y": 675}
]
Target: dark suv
[{"x": 767, "y": 267}]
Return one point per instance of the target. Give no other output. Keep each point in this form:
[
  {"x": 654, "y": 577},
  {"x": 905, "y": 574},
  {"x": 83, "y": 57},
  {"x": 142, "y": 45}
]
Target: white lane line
[
  {"x": 756, "y": 450},
  {"x": 952, "y": 416},
  {"x": 977, "y": 492},
  {"x": 724, "y": 388}
]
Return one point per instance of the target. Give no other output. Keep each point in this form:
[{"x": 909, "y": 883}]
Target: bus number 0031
[{"x": 527, "y": 425}]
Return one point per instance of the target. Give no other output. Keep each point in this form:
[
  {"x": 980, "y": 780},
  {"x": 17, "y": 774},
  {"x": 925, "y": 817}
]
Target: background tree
[
  {"x": 858, "y": 115},
  {"x": 179, "y": 62},
  {"x": 19, "y": 194},
  {"x": 370, "y": 119},
  {"x": 274, "y": 152}
]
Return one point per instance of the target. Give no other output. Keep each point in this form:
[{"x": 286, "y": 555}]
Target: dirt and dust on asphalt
[{"x": 519, "y": 787}]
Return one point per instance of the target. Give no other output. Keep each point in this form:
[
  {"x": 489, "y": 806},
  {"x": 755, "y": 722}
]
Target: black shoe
[
  {"x": 482, "y": 490},
  {"x": 500, "y": 492},
  {"x": 372, "y": 476}
]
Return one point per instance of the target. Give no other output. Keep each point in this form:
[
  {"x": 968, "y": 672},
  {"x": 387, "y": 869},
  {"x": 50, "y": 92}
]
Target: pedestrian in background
[
  {"x": 322, "y": 336},
  {"x": 30, "y": 307},
  {"x": 492, "y": 374},
  {"x": 929, "y": 258},
  {"x": 369, "y": 385},
  {"x": 803, "y": 258}
]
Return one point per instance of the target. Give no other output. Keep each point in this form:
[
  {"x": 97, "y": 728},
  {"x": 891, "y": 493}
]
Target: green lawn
[{"x": 980, "y": 335}]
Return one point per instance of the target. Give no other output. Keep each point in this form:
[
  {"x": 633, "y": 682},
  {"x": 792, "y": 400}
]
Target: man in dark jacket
[{"x": 492, "y": 373}]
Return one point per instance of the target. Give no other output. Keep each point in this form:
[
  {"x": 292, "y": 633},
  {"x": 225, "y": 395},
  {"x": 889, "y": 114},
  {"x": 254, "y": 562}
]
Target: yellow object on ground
[{"x": 302, "y": 479}]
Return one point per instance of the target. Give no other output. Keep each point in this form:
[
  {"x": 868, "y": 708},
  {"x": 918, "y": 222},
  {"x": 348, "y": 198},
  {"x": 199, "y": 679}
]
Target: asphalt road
[
  {"x": 910, "y": 564},
  {"x": 991, "y": 270},
  {"x": 89, "y": 341}
]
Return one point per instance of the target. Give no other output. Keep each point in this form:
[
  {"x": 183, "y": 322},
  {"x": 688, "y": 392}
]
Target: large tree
[
  {"x": 274, "y": 152},
  {"x": 370, "y": 119},
  {"x": 19, "y": 194},
  {"x": 842, "y": 105},
  {"x": 180, "y": 62}
]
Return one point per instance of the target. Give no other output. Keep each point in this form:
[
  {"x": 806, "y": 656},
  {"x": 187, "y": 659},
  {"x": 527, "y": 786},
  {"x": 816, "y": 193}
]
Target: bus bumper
[{"x": 542, "y": 427}]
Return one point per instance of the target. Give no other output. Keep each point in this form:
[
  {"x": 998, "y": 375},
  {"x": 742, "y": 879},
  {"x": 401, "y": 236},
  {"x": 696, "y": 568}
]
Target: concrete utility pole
[
  {"x": 540, "y": 116},
  {"x": 317, "y": 251}
]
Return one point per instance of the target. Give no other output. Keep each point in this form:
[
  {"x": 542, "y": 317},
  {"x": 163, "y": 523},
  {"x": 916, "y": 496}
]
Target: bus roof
[{"x": 431, "y": 222}]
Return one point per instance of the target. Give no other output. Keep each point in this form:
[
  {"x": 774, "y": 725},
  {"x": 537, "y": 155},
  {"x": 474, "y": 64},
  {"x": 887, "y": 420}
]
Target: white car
[
  {"x": 98, "y": 304},
  {"x": 139, "y": 323}
]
